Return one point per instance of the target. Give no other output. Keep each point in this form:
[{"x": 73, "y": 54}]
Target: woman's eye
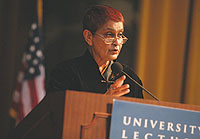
[
  {"x": 120, "y": 35},
  {"x": 109, "y": 35}
]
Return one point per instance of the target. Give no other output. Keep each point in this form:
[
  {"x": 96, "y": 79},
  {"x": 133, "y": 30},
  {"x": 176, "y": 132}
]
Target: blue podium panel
[{"x": 132, "y": 120}]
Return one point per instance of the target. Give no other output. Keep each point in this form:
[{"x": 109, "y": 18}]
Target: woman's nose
[{"x": 117, "y": 41}]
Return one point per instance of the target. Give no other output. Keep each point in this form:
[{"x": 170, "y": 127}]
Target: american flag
[{"x": 30, "y": 88}]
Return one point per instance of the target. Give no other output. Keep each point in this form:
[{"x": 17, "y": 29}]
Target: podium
[{"x": 76, "y": 115}]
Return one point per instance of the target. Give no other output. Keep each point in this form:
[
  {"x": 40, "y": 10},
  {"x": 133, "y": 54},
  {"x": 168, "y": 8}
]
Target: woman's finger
[
  {"x": 122, "y": 90},
  {"x": 121, "y": 93},
  {"x": 119, "y": 82}
]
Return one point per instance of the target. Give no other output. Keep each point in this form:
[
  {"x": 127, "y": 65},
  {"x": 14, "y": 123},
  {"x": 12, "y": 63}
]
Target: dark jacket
[{"x": 82, "y": 74}]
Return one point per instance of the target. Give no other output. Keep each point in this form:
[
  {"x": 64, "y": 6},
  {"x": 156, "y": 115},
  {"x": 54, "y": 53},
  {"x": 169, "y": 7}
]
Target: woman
[{"x": 103, "y": 28}]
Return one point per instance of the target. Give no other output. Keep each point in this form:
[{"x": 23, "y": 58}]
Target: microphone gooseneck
[{"x": 118, "y": 68}]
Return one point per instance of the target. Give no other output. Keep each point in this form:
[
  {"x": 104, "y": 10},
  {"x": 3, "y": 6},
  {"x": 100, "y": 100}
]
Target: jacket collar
[{"x": 92, "y": 66}]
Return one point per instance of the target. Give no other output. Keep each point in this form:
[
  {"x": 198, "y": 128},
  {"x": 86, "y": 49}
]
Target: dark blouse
[{"x": 82, "y": 74}]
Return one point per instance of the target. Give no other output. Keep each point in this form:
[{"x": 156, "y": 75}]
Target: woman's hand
[{"x": 117, "y": 88}]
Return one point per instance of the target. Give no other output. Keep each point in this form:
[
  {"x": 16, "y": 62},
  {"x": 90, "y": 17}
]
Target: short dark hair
[{"x": 96, "y": 16}]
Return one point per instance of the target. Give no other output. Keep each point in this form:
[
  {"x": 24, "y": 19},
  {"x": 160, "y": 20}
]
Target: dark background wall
[
  {"x": 15, "y": 20},
  {"x": 62, "y": 39}
]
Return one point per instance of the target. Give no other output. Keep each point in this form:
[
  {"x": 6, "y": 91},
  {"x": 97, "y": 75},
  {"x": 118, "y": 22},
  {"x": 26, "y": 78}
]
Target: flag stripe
[
  {"x": 32, "y": 90},
  {"x": 20, "y": 111},
  {"x": 40, "y": 83},
  {"x": 26, "y": 98}
]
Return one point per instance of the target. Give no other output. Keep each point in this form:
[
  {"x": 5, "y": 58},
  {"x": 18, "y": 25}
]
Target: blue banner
[{"x": 132, "y": 120}]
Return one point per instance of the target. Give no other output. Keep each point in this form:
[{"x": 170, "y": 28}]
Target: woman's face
[{"x": 101, "y": 51}]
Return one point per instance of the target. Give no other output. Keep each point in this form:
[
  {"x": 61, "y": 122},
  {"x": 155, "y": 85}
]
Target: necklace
[{"x": 104, "y": 69}]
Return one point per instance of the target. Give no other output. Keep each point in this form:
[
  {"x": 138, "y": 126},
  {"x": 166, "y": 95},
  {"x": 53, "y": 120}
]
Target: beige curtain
[
  {"x": 168, "y": 61},
  {"x": 192, "y": 88}
]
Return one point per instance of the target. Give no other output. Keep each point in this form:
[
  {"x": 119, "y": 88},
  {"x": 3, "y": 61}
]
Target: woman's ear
[{"x": 88, "y": 37}]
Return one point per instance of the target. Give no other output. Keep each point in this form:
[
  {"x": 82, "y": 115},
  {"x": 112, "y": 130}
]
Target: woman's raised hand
[{"x": 118, "y": 88}]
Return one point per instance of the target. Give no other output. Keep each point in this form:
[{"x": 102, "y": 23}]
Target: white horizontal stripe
[
  {"x": 26, "y": 98},
  {"x": 39, "y": 81}
]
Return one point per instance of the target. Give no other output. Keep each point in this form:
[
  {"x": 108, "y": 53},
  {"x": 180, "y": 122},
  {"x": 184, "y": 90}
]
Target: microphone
[{"x": 118, "y": 68}]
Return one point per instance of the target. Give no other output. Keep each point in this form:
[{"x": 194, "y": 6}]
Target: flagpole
[
  {"x": 40, "y": 12},
  {"x": 40, "y": 20}
]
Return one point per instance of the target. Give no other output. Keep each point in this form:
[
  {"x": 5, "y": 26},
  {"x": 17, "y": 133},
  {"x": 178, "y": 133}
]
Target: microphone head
[{"x": 116, "y": 68}]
